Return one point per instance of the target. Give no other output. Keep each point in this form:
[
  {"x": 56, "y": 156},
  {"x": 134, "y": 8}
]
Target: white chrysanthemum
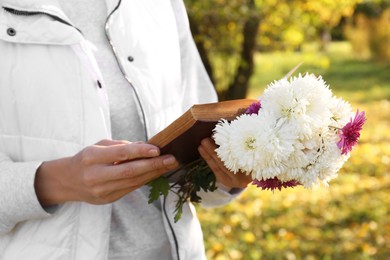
[
  {"x": 296, "y": 162},
  {"x": 341, "y": 112},
  {"x": 245, "y": 141},
  {"x": 275, "y": 145},
  {"x": 222, "y": 133},
  {"x": 311, "y": 147},
  {"x": 309, "y": 178},
  {"x": 278, "y": 99},
  {"x": 238, "y": 142},
  {"x": 291, "y": 174},
  {"x": 293, "y": 137},
  {"x": 256, "y": 144},
  {"x": 330, "y": 160},
  {"x": 325, "y": 160},
  {"x": 316, "y": 95},
  {"x": 298, "y": 158},
  {"x": 302, "y": 100}
]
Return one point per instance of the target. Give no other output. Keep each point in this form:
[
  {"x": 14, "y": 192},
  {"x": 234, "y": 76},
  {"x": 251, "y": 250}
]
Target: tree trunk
[
  {"x": 239, "y": 87},
  {"x": 326, "y": 38}
]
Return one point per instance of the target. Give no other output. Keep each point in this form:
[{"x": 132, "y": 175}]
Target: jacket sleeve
[
  {"x": 221, "y": 196},
  {"x": 18, "y": 200}
]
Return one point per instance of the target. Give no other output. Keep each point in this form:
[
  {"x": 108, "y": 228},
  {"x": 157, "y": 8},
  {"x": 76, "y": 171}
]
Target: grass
[
  {"x": 355, "y": 80},
  {"x": 349, "y": 219}
]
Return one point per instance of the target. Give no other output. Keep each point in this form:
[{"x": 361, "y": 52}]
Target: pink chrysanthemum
[
  {"x": 254, "y": 108},
  {"x": 350, "y": 133},
  {"x": 274, "y": 183}
]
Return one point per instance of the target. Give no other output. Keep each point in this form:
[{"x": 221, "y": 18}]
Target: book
[{"x": 183, "y": 136}]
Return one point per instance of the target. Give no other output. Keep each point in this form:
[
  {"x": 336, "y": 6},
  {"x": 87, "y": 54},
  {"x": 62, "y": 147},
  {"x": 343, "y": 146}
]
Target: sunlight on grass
[
  {"x": 349, "y": 219},
  {"x": 355, "y": 80}
]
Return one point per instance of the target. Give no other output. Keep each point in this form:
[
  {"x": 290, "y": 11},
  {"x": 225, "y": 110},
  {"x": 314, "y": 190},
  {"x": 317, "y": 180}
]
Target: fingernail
[
  {"x": 169, "y": 161},
  {"x": 153, "y": 152}
]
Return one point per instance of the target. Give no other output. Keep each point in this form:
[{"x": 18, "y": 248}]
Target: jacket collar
[
  {"x": 50, "y": 6},
  {"x": 112, "y": 5},
  {"x": 41, "y": 31}
]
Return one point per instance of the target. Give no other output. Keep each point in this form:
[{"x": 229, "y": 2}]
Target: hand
[
  {"x": 101, "y": 173},
  {"x": 222, "y": 174}
]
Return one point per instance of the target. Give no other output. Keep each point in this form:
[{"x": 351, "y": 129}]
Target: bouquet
[{"x": 297, "y": 133}]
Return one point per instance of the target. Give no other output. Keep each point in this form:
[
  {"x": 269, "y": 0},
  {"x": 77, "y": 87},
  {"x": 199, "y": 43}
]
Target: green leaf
[
  {"x": 202, "y": 178},
  {"x": 159, "y": 186},
  {"x": 179, "y": 210},
  {"x": 196, "y": 176}
]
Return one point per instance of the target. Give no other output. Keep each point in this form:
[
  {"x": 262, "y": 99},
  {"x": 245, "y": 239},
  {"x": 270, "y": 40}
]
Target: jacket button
[
  {"x": 99, "y": 84},
  {"x": 130, "y": 58},
  {"x": 11, "y": 31}
]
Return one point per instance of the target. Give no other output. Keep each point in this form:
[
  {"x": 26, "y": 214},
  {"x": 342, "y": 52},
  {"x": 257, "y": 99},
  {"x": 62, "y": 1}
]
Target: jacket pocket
[
  {"x": 41, "y": 99},
  {"x": 48, "y": 99},
  {"x": 42, "y": 89}
]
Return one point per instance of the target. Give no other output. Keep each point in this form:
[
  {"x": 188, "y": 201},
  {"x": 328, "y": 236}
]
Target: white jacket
[{"x": 52, "y": 105}]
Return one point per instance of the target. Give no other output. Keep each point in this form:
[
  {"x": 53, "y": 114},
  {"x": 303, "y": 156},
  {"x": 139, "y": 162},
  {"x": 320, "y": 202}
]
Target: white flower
[
  {"x": 296, "y": 162},
  {"x": 293, "y": 137},
  {"x": 341, "y": 112},
  {"x": 257, "y": 144},
  {"x": 315, "y": 95},
  {"x": 330, "y": 160},
  {"x": 277, "y": 143},
  {"x": 222, "y": 133},
  {"x": 238, "y": 142},
  {"x": 302, "y": 100},
  {"x": 324, "y": 157}
]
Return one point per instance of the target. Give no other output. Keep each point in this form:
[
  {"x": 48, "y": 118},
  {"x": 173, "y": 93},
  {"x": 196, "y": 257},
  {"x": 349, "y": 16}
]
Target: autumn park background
[{"x": 245, "y": 45}]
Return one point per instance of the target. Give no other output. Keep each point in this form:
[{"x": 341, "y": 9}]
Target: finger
[
  {"x": 209, "y": 147},
  {"x": 129, "y": 184},
  {"x": 108, "y": 142},
  {"x": 209, "y": 144},
  {"x": 222, "y": 175},
  {"x": 118, "y": 153},
  {"x": 207, "y": 152},
  {"x": 137, "y": 168}
]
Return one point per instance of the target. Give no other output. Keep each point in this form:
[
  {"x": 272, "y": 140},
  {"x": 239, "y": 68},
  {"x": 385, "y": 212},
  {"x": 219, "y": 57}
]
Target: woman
[{"x": 63, "y": 194}]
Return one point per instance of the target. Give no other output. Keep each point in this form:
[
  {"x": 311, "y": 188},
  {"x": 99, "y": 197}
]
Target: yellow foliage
[
  {"x": 249, "y": 237},
  {"x": 294, "y": 37},
  {"x": 370, "y": 37},
  {"x": 347, "y": 220}
]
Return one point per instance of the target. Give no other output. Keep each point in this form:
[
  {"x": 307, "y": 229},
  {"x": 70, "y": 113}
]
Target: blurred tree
[
  {"x": 372, "y": 8},
  {"x": 369, "y": 30},
  {"x": 225, "y": 33},
  {"x": 228, "y": 32},
  {"x": 327, "y": 14},
  {"x": 238, "y": 87}
]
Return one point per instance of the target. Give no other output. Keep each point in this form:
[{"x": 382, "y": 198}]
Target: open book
[{"x": 183, "y": 136}]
